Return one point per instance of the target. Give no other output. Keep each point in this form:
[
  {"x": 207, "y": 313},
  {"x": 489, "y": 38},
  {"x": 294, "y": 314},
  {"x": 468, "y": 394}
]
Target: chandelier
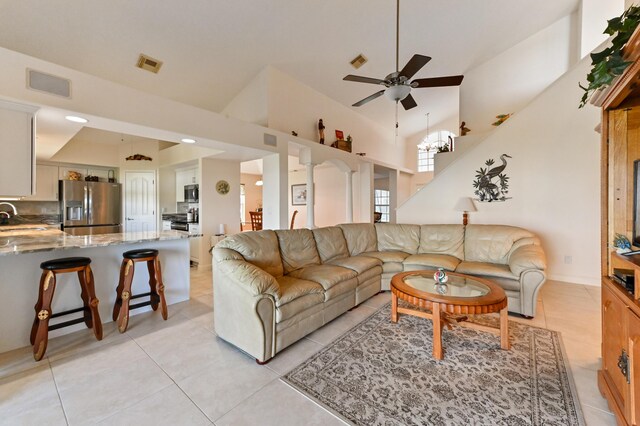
[{"x": 425, "y": 145}]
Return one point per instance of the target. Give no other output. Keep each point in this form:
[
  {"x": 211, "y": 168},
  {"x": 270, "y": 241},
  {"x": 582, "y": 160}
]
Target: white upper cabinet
[
  {"x": 185, "y": 177},
  {"x": 46, "y": 184},
  {"x": 17, "y": 138}
]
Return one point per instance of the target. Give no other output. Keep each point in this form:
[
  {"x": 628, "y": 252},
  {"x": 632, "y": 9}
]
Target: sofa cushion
[
  {"x": 360, "y": 264},
  {"x": 360, "y": 237},
  {"x": 396, "y": 237},
  {"x": 259, "y": 248},
  {"x": 298, "y": 305},
  {"x": 375, "y": 272},
  {"x": 492, "y": 243},
  {"x": 485, "y": 269},
  {"x": 338, "y": 291},
  {"x": 293, "y": 288},
  {"x": 325, "y": 275},
  {"x": 442, "y": 239},
  {"x": 297, "y": 249},
  {"x": 330, "y": 243},
  {"x": 388, "y": 256},
  {"x": 430, "y": 261}
]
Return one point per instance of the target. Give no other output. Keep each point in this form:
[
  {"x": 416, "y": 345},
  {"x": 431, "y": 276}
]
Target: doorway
[{"x": 140, "y": 201}]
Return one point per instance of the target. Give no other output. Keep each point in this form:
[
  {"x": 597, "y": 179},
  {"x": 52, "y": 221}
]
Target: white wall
[
  {"x": 555, "y": 180},
  {"x": 216, "y": 208},
  {"x": 295, "y": 106},
  {"x": 510, "y": 80},
  {"x": 593, "y": 16},
  {"x": 330, "y": 196},
  {"x": 167, "y": 190},
  {"x": 87, "y": 152},
  {"x": 251, "y": 104}
]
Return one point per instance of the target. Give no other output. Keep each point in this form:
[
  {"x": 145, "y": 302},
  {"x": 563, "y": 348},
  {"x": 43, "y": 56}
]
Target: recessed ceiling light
[
  {"x": 76, "y": 119},
  {"x": 188, "y": 140}
]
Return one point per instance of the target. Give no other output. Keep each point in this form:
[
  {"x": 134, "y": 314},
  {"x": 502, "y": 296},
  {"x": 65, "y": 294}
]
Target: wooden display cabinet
[{"x": 619, "y": 377}]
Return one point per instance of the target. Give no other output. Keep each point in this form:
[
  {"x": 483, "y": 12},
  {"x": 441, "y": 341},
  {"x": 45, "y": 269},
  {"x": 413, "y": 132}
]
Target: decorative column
[
  {"x": 349, "y": 192},
  {"x": 310, "y": 197}
]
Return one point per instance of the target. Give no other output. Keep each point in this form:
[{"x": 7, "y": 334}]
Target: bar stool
[
  {"x": 91, "y": 317},
  {"x": 123, "y": 292}
]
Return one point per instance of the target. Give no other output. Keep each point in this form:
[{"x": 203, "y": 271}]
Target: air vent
[
  {"x": 358, "y": 61},
  {"x": 48, "y": 83},
  {"x": 148, "y": 63}
]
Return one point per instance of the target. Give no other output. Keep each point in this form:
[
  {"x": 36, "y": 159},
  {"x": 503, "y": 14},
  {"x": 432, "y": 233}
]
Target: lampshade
[
  {"x": 465, "y": 204},
  {"x": 397, "y": 93}
]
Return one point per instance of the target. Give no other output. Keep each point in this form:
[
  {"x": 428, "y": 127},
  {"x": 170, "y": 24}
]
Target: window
[
  {"x": 381, "y": 203},
  {"x": 429, "y": 147},
  {"x": 242, "y": 203}
]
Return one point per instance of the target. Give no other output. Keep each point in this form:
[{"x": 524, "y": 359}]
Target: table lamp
[{"x": 465, "y": 205}]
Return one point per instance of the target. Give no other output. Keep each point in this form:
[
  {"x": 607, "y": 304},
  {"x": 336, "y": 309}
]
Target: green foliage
[{"x": 608, "y": 64}]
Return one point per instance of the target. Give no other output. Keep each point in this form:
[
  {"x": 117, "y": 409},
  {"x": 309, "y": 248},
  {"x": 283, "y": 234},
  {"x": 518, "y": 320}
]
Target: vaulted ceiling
[{"x": 212, "y": 48}]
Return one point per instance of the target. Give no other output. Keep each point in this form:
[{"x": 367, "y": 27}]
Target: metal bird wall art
[{"x": 492, "y": 184}]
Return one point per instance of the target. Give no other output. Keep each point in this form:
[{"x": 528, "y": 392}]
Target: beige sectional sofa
[{"x": 271, "y": 288}]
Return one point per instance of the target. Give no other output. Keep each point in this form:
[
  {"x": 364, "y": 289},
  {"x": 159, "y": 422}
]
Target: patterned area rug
[{"x": 380, "y": 373}]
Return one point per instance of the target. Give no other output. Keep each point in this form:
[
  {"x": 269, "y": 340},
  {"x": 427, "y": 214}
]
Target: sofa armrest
[
  {"x": 530, "y": 256},
  {"x": 221, "y": 254},
  {"x": 249, "y": 277}
]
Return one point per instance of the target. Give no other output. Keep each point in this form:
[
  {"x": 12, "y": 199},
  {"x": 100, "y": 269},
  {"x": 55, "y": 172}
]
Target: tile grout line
[
  {"x": 248, "y": 397},
  {"x": 55, "y": 383},
  {"x": 172, "y": 380}
]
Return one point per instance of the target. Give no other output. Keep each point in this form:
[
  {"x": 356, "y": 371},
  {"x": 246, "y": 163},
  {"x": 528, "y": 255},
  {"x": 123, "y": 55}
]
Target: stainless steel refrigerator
[{"x": 90, "y": 208}]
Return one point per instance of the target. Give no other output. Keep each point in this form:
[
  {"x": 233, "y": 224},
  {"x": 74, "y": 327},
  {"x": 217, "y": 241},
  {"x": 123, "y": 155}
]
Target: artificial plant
[{"x": 609, "y": 63}]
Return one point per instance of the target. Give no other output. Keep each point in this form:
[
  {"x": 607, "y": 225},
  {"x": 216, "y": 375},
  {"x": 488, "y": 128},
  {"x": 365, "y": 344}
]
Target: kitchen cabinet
[
  {"x": 17, "y": 136},
  {"x": 46, "y": 183},
  {"x": 185, "y": 177}
]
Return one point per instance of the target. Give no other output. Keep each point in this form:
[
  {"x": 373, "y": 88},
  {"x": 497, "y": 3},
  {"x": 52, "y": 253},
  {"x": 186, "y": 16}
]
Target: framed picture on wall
[{"x": 299, "y": 194}]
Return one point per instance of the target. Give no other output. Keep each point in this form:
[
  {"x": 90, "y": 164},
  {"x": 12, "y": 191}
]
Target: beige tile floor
[{"x": 177, "y": 372}]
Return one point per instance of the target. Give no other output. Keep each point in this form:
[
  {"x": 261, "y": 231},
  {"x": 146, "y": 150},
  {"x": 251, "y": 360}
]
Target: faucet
[{"x": 15, "y": 212}]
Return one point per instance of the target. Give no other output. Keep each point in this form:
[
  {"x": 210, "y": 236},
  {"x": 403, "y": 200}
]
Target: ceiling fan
[{"x": 398, "y": 87}]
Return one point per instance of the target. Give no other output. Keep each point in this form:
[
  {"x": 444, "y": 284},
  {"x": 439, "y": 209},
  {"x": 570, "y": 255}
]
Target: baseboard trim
[{"x": 595, "y": 282}]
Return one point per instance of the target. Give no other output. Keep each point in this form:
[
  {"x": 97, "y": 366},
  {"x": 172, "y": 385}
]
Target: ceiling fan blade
[
  {"x": 359, "y": 79},
  {"x": 368, "y": 98},
  {"x": 409, "y": 102},
  {"x": 453, "y": 80},
  {"x": 414, "y": 65}
]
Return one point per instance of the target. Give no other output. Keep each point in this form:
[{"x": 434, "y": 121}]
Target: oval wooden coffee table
[{"x": 461, "y": 296}]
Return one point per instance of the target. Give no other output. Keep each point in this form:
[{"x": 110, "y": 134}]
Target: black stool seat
[
  {"x": 139, "y": 254},
  {"x": 65, "y": 263}
]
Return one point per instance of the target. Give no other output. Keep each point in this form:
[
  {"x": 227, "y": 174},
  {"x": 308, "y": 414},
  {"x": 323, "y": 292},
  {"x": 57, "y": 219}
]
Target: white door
[{"x": 140, "y": 201}]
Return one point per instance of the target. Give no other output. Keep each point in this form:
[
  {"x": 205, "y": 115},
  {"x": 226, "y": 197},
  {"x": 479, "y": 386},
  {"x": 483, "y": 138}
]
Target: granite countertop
[{"x": 30, "y": 240}]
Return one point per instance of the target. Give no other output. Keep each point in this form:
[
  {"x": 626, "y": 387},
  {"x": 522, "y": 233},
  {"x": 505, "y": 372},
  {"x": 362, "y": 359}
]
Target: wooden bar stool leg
[
  {"x": 44, "y": 313},
  {"x": 118, "y": 304},
  {"x": 85, "y": 299},
  {"x": 89, "y": 288},
  {"x": 154, "y": 298},
  {"x": 38, "y": 307},
  {"x": 125, "y": 295},
  {"x": 160, "y": 288}
]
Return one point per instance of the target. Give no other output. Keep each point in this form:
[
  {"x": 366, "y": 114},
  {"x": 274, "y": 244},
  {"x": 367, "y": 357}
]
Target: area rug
[{"x": 381, "y": 373}]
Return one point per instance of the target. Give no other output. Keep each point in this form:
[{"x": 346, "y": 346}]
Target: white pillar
[
  {"x": 349, "y": 191},
  {"x": 275, "y": 201},
  {"x": 366, "y": 192},
  {"x": 310, "y": 197}
]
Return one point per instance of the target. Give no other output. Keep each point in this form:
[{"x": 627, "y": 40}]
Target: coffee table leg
[
  {"x": 394, "y": 307},
  {"x": 437, "y": 332},
  {"x": 504, "y": 329}
]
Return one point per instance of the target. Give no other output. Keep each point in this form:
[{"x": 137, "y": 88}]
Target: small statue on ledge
[
  {"x": 321, "y": 131},
  {"x": 464, "y": 129}
]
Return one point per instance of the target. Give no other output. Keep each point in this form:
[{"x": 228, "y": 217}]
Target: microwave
[{"x": 191, "y": 194}]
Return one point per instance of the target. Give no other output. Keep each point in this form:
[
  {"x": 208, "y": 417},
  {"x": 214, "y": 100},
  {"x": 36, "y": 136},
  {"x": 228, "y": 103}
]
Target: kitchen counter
[
  {"x": 34, "y": 238},
  {"x": 24, "y": 248}
]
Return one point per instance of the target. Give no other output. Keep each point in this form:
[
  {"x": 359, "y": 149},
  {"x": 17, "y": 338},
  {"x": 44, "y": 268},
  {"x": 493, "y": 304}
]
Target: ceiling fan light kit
[{"x": 398, "y": 86}]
